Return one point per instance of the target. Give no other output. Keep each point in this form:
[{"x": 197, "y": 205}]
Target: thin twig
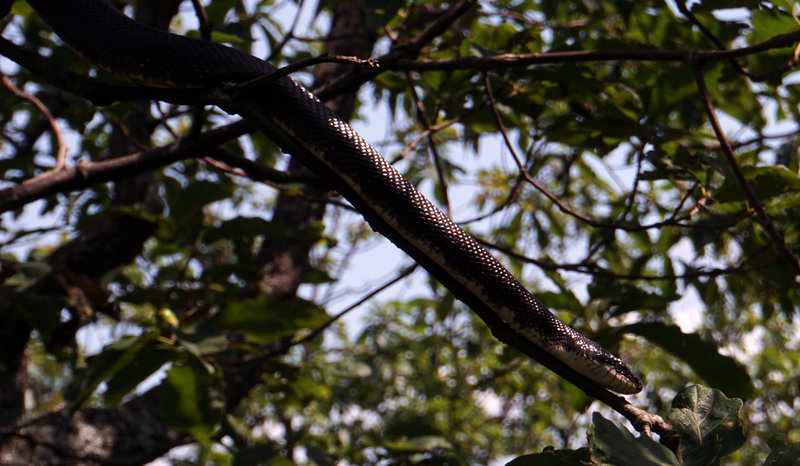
[
  {"x": 561, "y": 206},
  {"x": 710, "y": 35},
  {"x": 287, "y": 344},
  {"x": 199, "y": 112},
  {"x": 751, "y": 196},
  {"x": 413, "y": 46},
  {"x": 299, "y": 65},
  {"x": 635, "y": 188},
  {"x": 276, "y": 51},
  {"x": 202, "y": 18},
  {"x": 593, "y": 269},
  {"x": 403, "y": 274},
  {"x": 510, "y": 60},
  {"x": 437, "y": 160},
  {"x": 237, "y": 165},
  {"x": 61, "y": 152},
  {"x": 407, "y": 49}
]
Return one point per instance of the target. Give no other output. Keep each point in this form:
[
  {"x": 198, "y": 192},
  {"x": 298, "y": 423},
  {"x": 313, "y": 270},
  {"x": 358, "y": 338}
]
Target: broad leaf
[
  {"x": 702, "y": 356},
  {"x": 264, "y": 320},
  {"x": 552, "y": 457},
  {"x": 189, "y": 400},
  {"x": 708, "y": 423},
  {"x": 116, "y": 357},
  {"x": 611, "y": 444}
]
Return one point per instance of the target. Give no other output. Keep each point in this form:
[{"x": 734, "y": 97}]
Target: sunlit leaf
[{"x": 263, "y": 320}]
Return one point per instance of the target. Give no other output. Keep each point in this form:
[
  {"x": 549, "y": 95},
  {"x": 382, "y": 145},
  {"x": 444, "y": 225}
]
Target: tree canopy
[{"x": 169, "y": 278}]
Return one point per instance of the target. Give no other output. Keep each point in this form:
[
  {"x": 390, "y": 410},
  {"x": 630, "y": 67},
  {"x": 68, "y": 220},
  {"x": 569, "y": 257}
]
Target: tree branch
[
  {"x": 86, "y": 174},
  {"x": 752, "y": 199},
  {"x": 616, "y": 225},
  {"x": 596, "y": 270},
  {"x": 510, "y": 60},
  {"x": 61, "y": 153}
]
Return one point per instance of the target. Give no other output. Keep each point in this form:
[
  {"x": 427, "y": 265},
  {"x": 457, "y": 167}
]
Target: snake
[{"x": 305, "y": 128}]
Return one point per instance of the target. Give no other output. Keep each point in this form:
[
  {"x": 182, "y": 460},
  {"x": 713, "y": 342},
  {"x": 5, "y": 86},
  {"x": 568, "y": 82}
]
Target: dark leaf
[
  {"x": 147, "y": 362},
  {"x": 702, "y": 356},
  {"x": 560, "y": 301},
  {"x": 611, "y": 444},
  {"x": 256, "y": 454},
  {"x": 240, "y": 227},
  {"x": 708, "y": 423},
  {"x": 112, "y": 359},
  {"x": 552, "y": 457},
  {"x": 189, "y": 401},
  {"x": 624, "y": 297},
  {"x": 784, "y": 455},
  {"x": 380, "y": 12},
  {"x": 767, "y": 182}
]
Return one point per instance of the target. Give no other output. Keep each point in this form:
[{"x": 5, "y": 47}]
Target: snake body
[{"x": 307, "y": 129}]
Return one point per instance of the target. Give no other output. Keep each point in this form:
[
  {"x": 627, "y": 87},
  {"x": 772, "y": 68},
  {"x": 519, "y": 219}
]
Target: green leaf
[
  {"x": 26, "y": 274},
  {"x": 423, "y": 443},
  {"x": 702, "y": 356},
  {"x": 611, "y": 444},
  {"x": 561, "y": 301},
  {"x": 239, "y": 227},
  {"x": 708, "y": 423},
  {"x": 767, "y": 182},
  {"x": 202, "y": 340},
  {"x": 552, "y": 457},
  {"x": 190, "y": 199},
  {"x": 380, "y": 12},
  {"x": 147, "y": 362},
  {"x": 189, "y": 401},
  {"x": 769, "y": 22},
  {"x": 259, "y": 453},
  {"x": 264, "y": 320},
  {"x": 114, "y": 358},
  {"x": 217, "y": 10},
  {"x": 316, "y": 276}
]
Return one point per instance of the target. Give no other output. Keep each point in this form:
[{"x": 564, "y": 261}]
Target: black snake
[{"x": 307, "y": 129}]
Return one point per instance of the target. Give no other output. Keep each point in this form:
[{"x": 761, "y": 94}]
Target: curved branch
[{"x": 61, "y": 154}]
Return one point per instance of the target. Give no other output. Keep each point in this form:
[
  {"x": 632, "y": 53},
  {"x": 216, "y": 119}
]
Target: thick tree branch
[{"x": 86, "y": 174}]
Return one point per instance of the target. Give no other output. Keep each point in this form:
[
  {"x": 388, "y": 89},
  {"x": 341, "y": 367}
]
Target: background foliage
[{"x": 622, "y": 212}]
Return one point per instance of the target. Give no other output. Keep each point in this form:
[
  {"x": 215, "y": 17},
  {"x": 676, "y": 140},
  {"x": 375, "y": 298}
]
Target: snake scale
[{"x": 307, "y": 129}]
